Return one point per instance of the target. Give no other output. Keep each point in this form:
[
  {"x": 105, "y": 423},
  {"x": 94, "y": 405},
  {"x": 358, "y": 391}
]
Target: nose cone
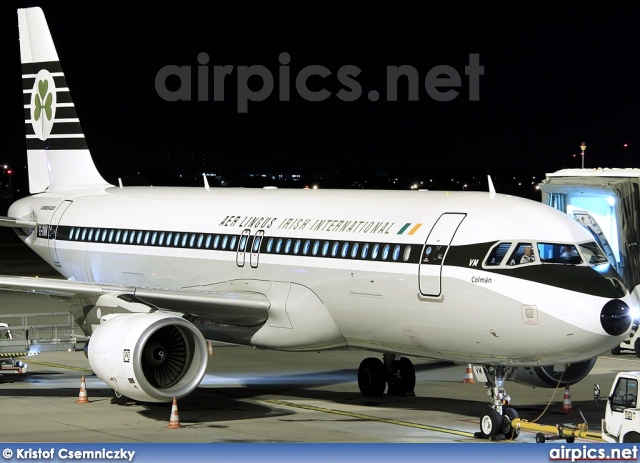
[{"x": 615, "y": 317}]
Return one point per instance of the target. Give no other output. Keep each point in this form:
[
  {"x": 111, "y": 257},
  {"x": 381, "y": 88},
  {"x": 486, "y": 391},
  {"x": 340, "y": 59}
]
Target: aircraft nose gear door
[
  {"x": 53, "y": 229},
  {"x": 434, "y": 253}
]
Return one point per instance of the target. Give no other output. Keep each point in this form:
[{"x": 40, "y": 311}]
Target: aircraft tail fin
[{"x": 57, "y": 153}]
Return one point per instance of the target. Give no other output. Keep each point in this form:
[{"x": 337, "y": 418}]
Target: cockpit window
[
  {"x": 497, "y": 254},
  {"x": 593, "y": 253},
  {"x": 522, "y": 254},
  {"x": 556, "y": 253}
]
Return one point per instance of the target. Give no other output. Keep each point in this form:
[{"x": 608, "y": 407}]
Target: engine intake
[
  {"x": 151, "y": 357},
  {"x": 547, "y": 377}
]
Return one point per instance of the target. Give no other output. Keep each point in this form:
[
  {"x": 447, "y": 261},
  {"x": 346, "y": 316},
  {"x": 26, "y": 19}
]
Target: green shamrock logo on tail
[
  {"x": 43, "y": 96},
  {"x": 43, "y": 104}
]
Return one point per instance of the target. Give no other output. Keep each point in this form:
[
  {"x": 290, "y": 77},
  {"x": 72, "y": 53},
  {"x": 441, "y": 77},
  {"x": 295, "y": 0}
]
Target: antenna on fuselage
[
  {"x": 120, "y": 182},
  {"x": 206, "y": 183},
  {"x": 492, "y": 189}
]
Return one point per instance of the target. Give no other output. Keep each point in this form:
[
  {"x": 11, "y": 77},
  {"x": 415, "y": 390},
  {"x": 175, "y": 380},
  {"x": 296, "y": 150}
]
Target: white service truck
[
  {"x": 9, "y": 350},
  {"x": 621, "y": 421}
]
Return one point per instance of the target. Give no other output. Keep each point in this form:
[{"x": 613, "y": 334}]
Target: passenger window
[
  {"x": 374, "y": 252},
  {"x": 396, "y": 252},
  {"x": 279, "y": 245},
  {"x": 385, "y": 252},
  {"x": 354, "y": 250},
  {"x": 407, "y": 253},
  {"x": 345, "y": 249},
  {"x": 257, "y": 241},
  {"x": 523, "y": 254},
  {"x": 365, "y": 251},
  {"x": 232, "y": 245},
  {"x": 334, "y": 249},
  {"x": 316, "y": 246}
]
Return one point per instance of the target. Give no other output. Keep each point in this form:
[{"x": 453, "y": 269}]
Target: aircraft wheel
[
  {"x": 616, "y": 350},
  {"x": 631, "y": 437},
  {"x": 372, "y": 377},
  {"x": 510, "y": 432},
  {"x": 405, "y": 383},
  {"x": 636, "y": 348},
  {"x": 490, "y": 424}
]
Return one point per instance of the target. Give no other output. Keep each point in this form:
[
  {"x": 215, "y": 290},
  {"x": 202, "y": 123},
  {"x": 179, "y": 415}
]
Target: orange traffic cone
[
  {"x": 174, "y": 421},
  {"x": 82, "y": 397},
  {"x": 468, "y": 376},
  {"x": 567, "y": 407}
]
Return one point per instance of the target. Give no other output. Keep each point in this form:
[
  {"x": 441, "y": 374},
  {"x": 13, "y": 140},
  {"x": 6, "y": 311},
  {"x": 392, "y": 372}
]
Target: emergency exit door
[{"x": 434, "y": 253}]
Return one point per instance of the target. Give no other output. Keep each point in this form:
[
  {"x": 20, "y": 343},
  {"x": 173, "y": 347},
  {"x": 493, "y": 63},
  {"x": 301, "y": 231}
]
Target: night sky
[{"x": 554, "y": 76}]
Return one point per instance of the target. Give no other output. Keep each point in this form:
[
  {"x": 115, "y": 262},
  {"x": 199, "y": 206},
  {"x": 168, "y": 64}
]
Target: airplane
[{"x": 151, "y": 273}]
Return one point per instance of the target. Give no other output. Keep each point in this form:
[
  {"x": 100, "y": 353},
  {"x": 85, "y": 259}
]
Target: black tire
[
  {"x": 405, "y": 383},
  {"x": 540, "y": 439},
  {"x": 510, "y": 433},
  {"x": 631, "y": 437},
  {"x": 616, "y": 350},
  {"x": 490, "y": 424},
  {"x": 372, "y": 377},
  {"x": 636, "y": 348}
]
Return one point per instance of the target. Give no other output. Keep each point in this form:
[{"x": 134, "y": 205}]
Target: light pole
[{"x": 583, "y": 147}]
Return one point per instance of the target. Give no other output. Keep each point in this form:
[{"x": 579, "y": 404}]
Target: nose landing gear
[{"x": 496, "y": 423}]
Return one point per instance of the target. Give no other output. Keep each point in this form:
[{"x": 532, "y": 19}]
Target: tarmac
[{"x": 251, "y": 395}]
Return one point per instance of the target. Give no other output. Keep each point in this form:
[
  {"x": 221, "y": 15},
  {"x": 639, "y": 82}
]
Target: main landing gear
[
  {"x": 398, "y": 372},
  {"x": 496, "y": 423}
]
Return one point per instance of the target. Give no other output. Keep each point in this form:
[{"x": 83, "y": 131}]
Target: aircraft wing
[
  {"x": 17, "y": 223},
  {"x": 241, "y": 308}
]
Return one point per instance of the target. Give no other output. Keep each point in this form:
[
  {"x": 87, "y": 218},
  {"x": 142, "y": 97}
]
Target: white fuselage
[{"x": 461, "y": 310}]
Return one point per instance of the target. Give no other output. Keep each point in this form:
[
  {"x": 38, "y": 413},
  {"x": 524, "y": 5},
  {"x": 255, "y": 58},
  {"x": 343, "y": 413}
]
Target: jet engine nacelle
[
  {"x": 150, "y": 357},
  {"x": 548, "y": 377}
]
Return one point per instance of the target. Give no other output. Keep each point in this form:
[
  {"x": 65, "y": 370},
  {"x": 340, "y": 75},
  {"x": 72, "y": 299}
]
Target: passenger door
[{"x": 435, "y": 251}]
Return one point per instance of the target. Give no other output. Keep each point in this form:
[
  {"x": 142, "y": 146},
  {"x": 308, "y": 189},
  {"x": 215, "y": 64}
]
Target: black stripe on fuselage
[
  {"x": 600, "y": 280},
  {"x": 305, "y": 247}
]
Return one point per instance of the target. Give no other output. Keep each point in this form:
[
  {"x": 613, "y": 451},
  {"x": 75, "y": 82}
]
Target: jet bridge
[{"x": 607, "y": 201}]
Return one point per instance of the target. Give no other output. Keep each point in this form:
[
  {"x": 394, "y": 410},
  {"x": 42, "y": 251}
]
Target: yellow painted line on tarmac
[
  {"x": 58, "y": 365},
  {"x": 361, "y": 416}
]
